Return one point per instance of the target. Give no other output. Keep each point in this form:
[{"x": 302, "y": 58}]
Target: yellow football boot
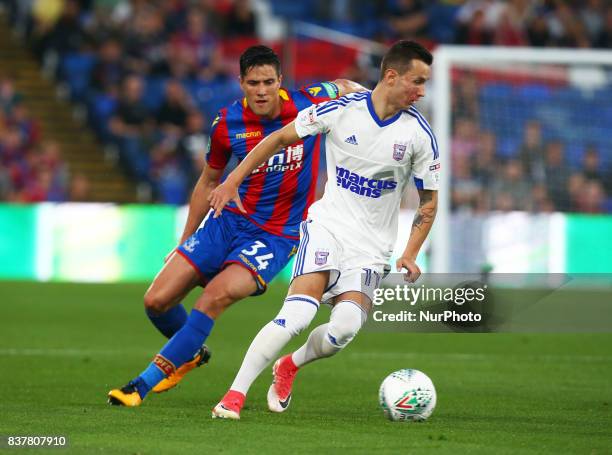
[
  {"x": 202, "y": 357},
  {"x": 125, "y": 396}
]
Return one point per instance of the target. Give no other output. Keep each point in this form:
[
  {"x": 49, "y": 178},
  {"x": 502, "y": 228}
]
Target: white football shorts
[{"x": 350, "y": 269}]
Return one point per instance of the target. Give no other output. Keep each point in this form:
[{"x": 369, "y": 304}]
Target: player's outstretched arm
[
  {"x": 228, "y": 190},
  {"x": 421, "y": 225},
  {"x": 346, "y": 86}
]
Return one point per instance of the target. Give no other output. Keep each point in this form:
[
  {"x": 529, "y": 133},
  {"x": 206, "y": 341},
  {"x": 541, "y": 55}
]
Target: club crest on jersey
[
  {"x": 191, "y": 243},
  {"x": 321, "y": 257},
  {"x": 399, "y": 150}
]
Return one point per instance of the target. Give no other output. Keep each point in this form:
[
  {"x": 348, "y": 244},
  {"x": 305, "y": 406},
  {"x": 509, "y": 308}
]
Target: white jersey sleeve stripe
[
  {"x": 425, "y": 125},
  {"x": 434, "y": 145}
]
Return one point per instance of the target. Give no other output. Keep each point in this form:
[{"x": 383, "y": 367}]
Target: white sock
[
  {"x": 296, "y": 314},
  {"x": 326, "y": 340}
]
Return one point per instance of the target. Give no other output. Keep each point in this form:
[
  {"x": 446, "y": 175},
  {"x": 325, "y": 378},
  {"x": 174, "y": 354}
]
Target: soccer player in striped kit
[{"x": 236, "y": 255}]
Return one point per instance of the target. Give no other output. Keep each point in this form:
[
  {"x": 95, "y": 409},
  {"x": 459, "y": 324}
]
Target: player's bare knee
[
  {"x": 215, "y": 301},
  {"x": 155, "y": 303}
]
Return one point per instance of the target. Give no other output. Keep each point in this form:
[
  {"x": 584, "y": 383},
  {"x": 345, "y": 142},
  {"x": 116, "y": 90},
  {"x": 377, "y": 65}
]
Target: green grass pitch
[{"x": 63, "y": 346}]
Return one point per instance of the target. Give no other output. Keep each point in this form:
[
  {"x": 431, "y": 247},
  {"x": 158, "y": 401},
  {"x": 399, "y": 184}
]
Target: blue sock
[
  {"x": 171, "y": 321},
  {"x": 181, "y": 348}
]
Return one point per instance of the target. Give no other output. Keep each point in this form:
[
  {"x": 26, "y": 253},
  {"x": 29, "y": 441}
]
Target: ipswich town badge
[
  {"x": 321, "y": 257},
  {"x": 399, "y": 150}
]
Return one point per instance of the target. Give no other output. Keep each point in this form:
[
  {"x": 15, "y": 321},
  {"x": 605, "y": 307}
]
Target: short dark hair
[
  {"x": 401, "y": 54},
  {"x": 257, "y": 56}
]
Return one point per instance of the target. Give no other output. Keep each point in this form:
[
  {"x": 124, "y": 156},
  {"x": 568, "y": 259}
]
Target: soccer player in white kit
[{"x": 374, "y": 142}]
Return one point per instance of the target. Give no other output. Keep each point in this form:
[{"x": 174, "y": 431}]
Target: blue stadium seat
[
  {"x": 497, "y": 91},
  {"x": 75, "y": 69},
  {"x": 508, "y": 147},
  {"x": 154, "y": 92},
  {"x": 441, "y": 27},
  {"x": 535, "y": 93},
  {"x": 101, "y": 108},
  {"x": 574, "y": 151},
  {"x": 294, "y": 9}
]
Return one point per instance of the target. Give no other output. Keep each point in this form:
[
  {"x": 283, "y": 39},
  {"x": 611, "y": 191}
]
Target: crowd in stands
[
  {"x": 31, "y": 168},
  {"x": 537, "y": 179},
  {"x": 152, "y": 74}
]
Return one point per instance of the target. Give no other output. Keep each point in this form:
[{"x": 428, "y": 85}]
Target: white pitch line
[
  {"x": 68, "y": 352},
  {"x": 481, "y": 357}
]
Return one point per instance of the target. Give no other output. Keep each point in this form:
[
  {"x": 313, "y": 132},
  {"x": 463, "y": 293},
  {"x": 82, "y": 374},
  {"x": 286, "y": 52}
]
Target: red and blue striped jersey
[{"x": 277, "y": 194}]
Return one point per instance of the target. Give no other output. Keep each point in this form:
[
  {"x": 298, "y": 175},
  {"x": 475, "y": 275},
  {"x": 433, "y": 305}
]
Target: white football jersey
[{"x": 369, "y": 164}]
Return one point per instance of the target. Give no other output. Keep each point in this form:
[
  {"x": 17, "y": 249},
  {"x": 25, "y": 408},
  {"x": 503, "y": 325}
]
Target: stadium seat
[
  {"x": 76, "y": 69},
  {"x": 535, "y": 92},
  {"x": 441, "y": 27},
  {"x": 154, "y": 92}
]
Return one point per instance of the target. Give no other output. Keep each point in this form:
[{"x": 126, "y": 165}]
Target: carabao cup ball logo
[{"x": 413, "y": 401}]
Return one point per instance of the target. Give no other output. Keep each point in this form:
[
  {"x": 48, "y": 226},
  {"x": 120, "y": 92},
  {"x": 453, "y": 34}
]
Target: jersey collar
[{"x": 375, "y": 117}]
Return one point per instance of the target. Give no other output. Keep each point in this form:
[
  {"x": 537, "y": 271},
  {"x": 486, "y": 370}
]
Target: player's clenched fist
[
  {"x": 220, "y": 196},
  {"x": 413, "y": 270}
]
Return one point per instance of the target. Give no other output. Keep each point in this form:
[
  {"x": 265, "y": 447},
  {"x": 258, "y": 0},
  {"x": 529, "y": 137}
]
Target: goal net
[{"x": 525, "y": 135}]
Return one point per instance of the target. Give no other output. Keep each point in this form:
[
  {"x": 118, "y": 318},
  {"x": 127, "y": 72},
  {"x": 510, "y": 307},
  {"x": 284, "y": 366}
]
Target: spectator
[
  {"x": 407, "y": 19},
  {"x": 79, "y": 190},
  {"x": 6, "y": 186},
  {"x": 466, "y": 189},
  {"x": 146, "y": 42},
  {"x": 196, "y": 41},
  {"x": 465, "y": 138},
  {"x": 540, "y": 201},
  {"x": 575, "y": 186},
  {"x": 8, "y": 95},
  {"x": 511, "y": 191},
  {"x": 531, "y": 152},
  {"x": 592, "y": 169},
  {"x": 109, "y": 69},
  {"x": 465, "y": 95},
  {"x": 591, "y": 198},
  {"x": 475, "y": 32},
  {"x": 565, "y": 30},
  {"x": 11, "y": 147},
  {"x": 604, "y": 37},
  {"x": 538, "y": 33},
  {"x": 510, "y": 29},
  {"x": 131, "y": 126},
  {"x": 592, "y": 15},
  {"x": 172, "y": 115},
  {"x": 192, "y": 147},
  {"x": 240, "y": 21},
  {"x": 51, "y": 161},
  {"x": 556, "y": 175},
  {"x": 483, "y": 161},
  {"x": 67, "y": 35},
  {"x": 25, "y": 124}
]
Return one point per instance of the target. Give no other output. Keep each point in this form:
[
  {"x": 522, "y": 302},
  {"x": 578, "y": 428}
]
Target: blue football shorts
[{"x": 233, "y": 239}]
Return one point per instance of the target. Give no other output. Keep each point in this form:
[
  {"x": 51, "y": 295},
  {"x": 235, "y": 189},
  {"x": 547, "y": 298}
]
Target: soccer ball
[{"x": 407, "y": 395}]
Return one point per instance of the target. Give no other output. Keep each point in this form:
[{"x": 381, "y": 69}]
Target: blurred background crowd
[{"x": 150, "y": 75}]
